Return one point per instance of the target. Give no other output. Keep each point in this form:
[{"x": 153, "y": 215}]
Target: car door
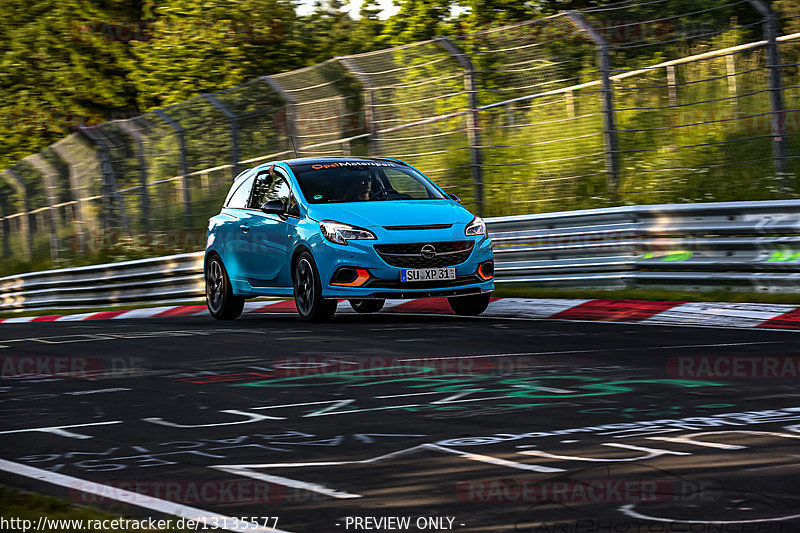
[
  {"x": 267, "y": 238},
  {"x": 230, "y": 232}
]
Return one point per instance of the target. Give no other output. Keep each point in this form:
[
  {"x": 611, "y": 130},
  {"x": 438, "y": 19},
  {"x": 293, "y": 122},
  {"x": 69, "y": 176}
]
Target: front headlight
[
  {"x": 476, "y": 227},
  {"x": 341, "y": 233}
]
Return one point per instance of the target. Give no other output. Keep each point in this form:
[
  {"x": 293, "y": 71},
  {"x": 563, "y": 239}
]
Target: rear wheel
[
  {"x": 471, "y": 305},
  {"x": 311, "y": 306},
  {"x": 367, "y": 306},
  {"x": 220, "y": 300}
]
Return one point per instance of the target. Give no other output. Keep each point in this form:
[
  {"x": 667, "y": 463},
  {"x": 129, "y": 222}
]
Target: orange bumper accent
[{"x": 361, "y": 279}]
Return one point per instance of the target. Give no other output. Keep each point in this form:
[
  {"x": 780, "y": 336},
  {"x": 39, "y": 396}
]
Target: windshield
[{"x": 362, "y": 181}]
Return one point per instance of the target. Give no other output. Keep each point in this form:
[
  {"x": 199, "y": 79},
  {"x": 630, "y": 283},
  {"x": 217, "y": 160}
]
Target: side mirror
[
  {"x": 274, "y": 207},
  {"x": 454, "y": 197}
]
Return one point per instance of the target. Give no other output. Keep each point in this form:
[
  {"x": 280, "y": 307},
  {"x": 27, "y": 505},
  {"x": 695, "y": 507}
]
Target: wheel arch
[{"x": 296, "y": 255}]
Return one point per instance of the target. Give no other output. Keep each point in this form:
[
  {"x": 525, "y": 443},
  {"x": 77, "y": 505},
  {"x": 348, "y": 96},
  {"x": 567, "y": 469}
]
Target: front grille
[
  {"x": 426, "y": 226},
  {"x": 409, "y": 255}
]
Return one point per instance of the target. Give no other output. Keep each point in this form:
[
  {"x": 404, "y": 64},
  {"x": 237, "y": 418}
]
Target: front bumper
[{"x": 384, "y": 279}]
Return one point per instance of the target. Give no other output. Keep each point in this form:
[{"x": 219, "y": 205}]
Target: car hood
[{"x": 392, "y": 213}]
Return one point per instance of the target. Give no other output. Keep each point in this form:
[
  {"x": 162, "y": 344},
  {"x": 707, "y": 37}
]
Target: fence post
[
  {"x": 183, "y": 165},
  {"x": 473, "y": 120},
  {"x": 112, "y": 200},
  {"x": 369, "y": 103},
  {"x": 780, "y": 148},
  {"x": 610, "y": 137},
  {"x": 25, "y": 218},
  {"x": 233, "y": 122},
  {"x": 291, "y": 111},
  {"x": 6, "y": 227},
  {"x": 141, "y": 161},
  {"x": 67, "y": 155},
  {"x": 49, "y": 176}
]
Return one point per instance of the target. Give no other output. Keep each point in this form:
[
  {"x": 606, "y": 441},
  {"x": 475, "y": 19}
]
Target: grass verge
[{"x": 15, "y": 504}]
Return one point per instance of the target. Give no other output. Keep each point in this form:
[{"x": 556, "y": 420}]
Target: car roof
[
  {"x": 312, "y": 160},
  {"x": 333, "y": 159}
]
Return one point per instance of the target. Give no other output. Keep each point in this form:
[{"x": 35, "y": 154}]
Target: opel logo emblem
[{"x": 428, "y": 251}]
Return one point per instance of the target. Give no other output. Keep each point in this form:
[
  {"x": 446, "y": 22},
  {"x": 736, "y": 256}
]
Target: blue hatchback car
[{"x": 360, "y": 229}]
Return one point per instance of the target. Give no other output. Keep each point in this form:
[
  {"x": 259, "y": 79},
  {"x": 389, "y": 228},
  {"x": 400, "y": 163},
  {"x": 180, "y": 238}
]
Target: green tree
[
  {"x": 61, "y": 64},
  {"x": 367, "y": 33},
  {"x": 200, "y": 46}
]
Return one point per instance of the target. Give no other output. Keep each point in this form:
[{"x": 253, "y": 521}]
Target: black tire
[
  {"x": 311, "y": 306},
  {"x": 471, "y": 305},
  {"x": 366, "y": 306},
  {"x": 220, "y": 300}
]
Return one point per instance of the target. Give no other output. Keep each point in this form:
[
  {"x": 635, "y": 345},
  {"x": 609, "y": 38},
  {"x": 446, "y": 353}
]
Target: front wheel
[
  {"x": 220, "y": 300},
  {"x": 471, "y": 305},
  {"x": 367, "y": 306},
  {"x": 311, "y": 306}
]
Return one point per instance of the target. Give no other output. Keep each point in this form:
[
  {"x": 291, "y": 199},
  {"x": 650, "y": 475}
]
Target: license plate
[{"x": 427, "y": 274}]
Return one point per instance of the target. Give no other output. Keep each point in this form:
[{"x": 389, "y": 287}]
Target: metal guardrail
[
  {"x": 158, "y": 279},
  {"x": 751, "y": 246},
  {"x": 731, "y": 245}
]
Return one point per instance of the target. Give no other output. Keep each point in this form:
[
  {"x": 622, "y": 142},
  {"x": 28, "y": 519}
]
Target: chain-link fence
[{"x": 652, "y": 101}]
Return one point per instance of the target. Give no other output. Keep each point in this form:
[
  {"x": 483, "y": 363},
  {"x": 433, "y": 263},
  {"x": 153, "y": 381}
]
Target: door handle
[{"x": 244, "y": 227}]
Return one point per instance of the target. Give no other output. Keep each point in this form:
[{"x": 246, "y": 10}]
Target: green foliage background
[{"x": 84, "y": 62}]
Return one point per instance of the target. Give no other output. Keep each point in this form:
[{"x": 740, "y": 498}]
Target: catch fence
[{"x": 640, "y": 102}]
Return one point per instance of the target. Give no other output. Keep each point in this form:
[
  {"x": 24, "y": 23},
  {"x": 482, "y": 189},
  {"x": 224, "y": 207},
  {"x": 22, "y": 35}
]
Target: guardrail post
[
  {"x": 141, "y": 162},
  {"x": 233, "y": 122},
  {"x": 369, "y": 103},
  {"x": 780, "y": 148},
  {"x": 610, "y": 137},
  {"x": 112, "y": 200},
  {"x": 49, "y": 176},
  {"x": 183, "y": 165},
  {"x": 473, "y": 120},
  {"x": 291, "y": 111},
  {"x": 25, "y": 218}
]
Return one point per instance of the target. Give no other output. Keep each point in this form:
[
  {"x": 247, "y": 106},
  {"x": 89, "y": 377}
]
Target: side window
[
  {"x": 268, "y": 187},
  {"x": 239, "y": 198},
  {"x": 260, "y": 190},
  {"x": 279, "y": 190},
  {"x": 405, "y": 184}
]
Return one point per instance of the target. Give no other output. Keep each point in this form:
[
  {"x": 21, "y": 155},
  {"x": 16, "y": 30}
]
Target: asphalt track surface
[{"x": 469, "y": 424}]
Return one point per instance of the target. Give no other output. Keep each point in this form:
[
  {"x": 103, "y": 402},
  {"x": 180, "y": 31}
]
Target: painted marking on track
[
  {"x": 627, "y": 509},
  {"x": 61, "y": 431},
  {"x": 497, "y": 461},
  {"x": 132, "y": 498},
  {"x": 409, "y": 394},
  {"x": 526, "y": 354},
  {"x": 249, "y": 470},
  {"x": 250, "y": 417},
  {"x": 649, "y": 454}
]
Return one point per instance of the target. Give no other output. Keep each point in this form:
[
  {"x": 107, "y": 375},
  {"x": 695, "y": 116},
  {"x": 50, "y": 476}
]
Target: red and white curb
[{"x": 773, "y": 316}]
